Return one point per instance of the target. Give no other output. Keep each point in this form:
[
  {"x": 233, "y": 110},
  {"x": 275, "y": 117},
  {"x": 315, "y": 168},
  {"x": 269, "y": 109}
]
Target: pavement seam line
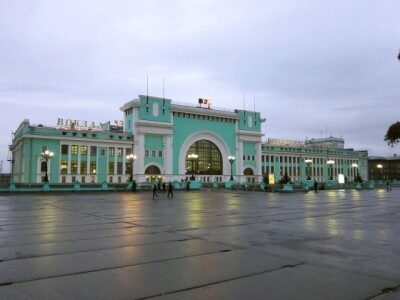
[{"x": 222, "y": 281}]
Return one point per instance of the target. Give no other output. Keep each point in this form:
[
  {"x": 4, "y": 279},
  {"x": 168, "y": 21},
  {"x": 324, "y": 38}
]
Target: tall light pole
[
  {"x": 379, "y": 166},
  {"x": 192, "y": 158},
  {"x": 231, "y": 160},
  {"x": 355, "y": 166},
  {"x": 131, "y": 158},
  {"x": 330, "y": 163},
  {"x": 308, "y": 162},
  {"x": 46, "y": 155}
]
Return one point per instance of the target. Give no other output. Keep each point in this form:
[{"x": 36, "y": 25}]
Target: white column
[
  {"x": 139, "y": 146},
  {"x": 258, "y": 159},
  {"x": 239, "y": 160},
  {"x": 168, "y": 154}
]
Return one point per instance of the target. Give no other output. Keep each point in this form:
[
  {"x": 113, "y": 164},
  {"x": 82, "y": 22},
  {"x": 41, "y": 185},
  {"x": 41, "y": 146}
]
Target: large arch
[
  {"x": 160, "y": 167},
  {"x": 212, "y": 137}
]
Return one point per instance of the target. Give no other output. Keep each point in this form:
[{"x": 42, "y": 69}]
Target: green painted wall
[
  {"x": 102, "y": 165},
  {"x": 155, "y": 109},
  {"x": 249, "y": 120},
  {"x": 249, "y": 149}
]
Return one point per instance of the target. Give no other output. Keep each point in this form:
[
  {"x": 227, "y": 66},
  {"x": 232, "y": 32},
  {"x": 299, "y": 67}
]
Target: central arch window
[{"x": 209, "y": 161}]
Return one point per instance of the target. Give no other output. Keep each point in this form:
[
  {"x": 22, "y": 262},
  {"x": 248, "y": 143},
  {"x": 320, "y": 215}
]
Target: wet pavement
[{"x": 201, "y": 245}]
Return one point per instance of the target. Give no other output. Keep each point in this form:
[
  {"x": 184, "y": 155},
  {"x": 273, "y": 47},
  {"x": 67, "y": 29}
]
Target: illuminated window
[
  {"x": 83, "y": 167},
  {"x": 64, "y": 167},
  {"x": 74, "y": 149},
  {"x": 110, "y": 168},
  {"x": 84, "y": 150},
  {"x": 111, "y": 151},
  {"x": 74, "y": 167},
  {"x": 92, "y": 167},
  {"x": 209, "y": 161},
  {"x": 119, "y": 152}
]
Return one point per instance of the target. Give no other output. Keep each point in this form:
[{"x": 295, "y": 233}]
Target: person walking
[
  {"x": 170, "y": 191},
  {"x": 388, "y": 188},
  {"x": 315, "y": 186},
  {"x": 134, "y": 186},
  {"x": 163, "y": 187},
  {"x": 155, "y": 190}
]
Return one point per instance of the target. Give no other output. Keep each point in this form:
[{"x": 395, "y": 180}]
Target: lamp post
[
  {"x": 131, "y": 158},
  {"x": 308, "y": 162},
  {"x": 231, "y": 160},
  {"x": 46, "y": 155},
  {"x": 379, "y": 166},
  {"x": 330, "y": 163},
  {"x": 192, "y": 158},
  {"x": 355, "y": 166}
]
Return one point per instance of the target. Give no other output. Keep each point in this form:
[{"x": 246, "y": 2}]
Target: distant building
[
  {"x": 302, "y": 158},
  {"x": 384, "y": 168}
]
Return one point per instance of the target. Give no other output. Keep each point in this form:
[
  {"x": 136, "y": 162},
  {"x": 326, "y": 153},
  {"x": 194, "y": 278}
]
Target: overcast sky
[{"x": 316, "y": 68}]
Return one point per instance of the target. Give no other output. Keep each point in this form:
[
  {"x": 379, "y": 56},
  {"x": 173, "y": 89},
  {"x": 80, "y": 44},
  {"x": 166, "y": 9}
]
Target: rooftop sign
[{"x": 69, "y": 124}]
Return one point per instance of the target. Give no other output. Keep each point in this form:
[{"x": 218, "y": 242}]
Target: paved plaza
[{"x": 201, "y": 245}]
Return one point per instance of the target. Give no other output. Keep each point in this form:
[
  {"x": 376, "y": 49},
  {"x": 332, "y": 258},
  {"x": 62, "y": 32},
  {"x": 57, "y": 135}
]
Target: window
[
  {"x": 64, "y": 133},
  {"x": 64, "y": 167},
  {"x": 160, "y": 154},
  {"x": 248, "y": 157},
  {"x": 73, "y": 179},
  {"x": 110, "y": 168},
  {"x": 84, "y": 135},
  {"x": 92, "y": 167},
  {"x": 93, "y": 150},
  {"x": 111, "y": 151},
  {"x": 93, "y": 135},
  {"x": 253, "y": 158},
  {"x": 119, "y": 152},
  {"x": 74, "y": 149},
  {"x": 83, "y": 167},
  {"x": 153, "y": 153},
  {"x": 146, "y": 152},
  {"x": 110, "y": 179},
  {"x": 63, "y": 179},
  {"x": 64, "y": 149},
  {"x": 74, "y": 167},
  {"x": 103, "y": 151},
  {"x": 83, "y": 179},
  {"x": 244, "y": 157},
  {"x": 84, "y": 150},
  {"x": 119, "y": 168},
  {"x": 128, "y": 151},
  {"x": 74, "y": 134}
]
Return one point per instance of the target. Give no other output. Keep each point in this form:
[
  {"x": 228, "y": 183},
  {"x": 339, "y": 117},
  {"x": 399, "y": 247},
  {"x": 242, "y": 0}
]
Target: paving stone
[
  {"x": 147, "y": 280},
  {"x": 301, "y": 282}
]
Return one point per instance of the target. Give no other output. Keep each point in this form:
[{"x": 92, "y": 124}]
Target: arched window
[
  {"x": 152, "y": 170},
  {"x": 209, "y": 161},
  {"x": 248, "y": 172}
]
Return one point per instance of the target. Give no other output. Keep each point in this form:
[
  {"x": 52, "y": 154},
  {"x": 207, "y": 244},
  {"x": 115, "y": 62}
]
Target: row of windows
[
  {"x": 153, "y": 153},
  {"x": 202, "y": 117},
  {"x": 92, "y": 167},
  {"x": 83, "y": 134},
  {"x": 91, "y": 178},
  {"x": 83, "y": 150},
  {"x": 327, "y": 152},
  {"x": 252, "y": 158},
  {"x": 296, "y": 160}
]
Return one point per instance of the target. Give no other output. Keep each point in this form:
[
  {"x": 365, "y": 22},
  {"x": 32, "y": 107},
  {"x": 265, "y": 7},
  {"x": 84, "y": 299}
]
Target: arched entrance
[
  {"x": 152, "y": 173},
  {"x": 208, "y": 161},
  {"x": 249, "y": 174},
  {"x": 217, "y": 141}
]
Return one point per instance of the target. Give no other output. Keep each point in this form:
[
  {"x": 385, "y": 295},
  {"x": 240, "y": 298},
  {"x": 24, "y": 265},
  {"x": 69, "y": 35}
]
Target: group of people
[{"x": 161, "y": 187}]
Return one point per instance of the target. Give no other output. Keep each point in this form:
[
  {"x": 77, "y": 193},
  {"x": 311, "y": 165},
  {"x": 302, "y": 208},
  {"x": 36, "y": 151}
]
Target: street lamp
[
  {"x": 192, "y": 158},
  {"x": 355, "y": 166},
  {"x": 308, "y": 161},
  {"x": 46, "y": 155},
  {"x": 330, "y": 163},
  {"x": 131, "y": 158},
  {"x": 379, "y": 166},
  {"x": 231, "y": 160}
]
